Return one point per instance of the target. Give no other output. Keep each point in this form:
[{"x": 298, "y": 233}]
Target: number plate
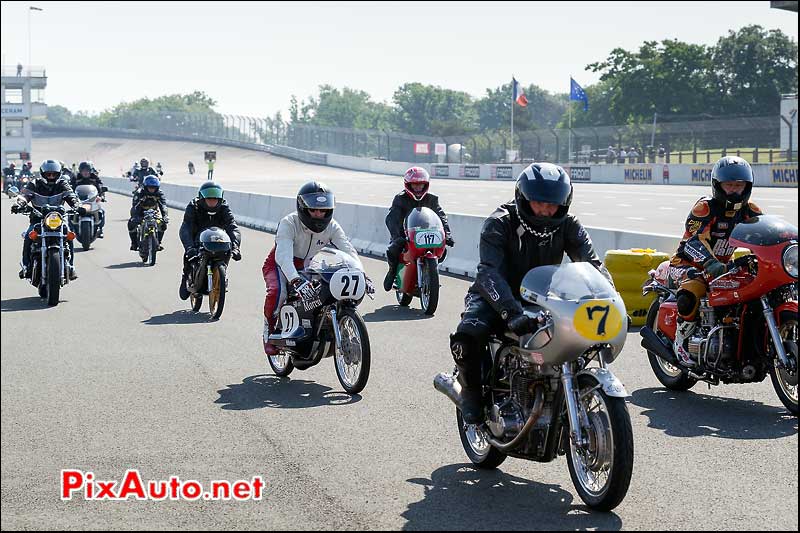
[
  {"x": 347, "y": 284},
  {"x": 290, "y": 320},
  {"x": 598, "y": 320},
  {"x": 428, "y": 239}
]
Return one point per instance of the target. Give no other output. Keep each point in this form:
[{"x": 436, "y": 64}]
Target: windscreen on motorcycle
[
  {"x": 764, "y": 230},
  {"x": 329, "y": 260},
  {"x": 40, "y": 200},
  {"x": 86, "y": 192},
  {"x": 569, "y": 281},
  {"x": 423, "y": 218},
  {"x": 215, "y": 240}
]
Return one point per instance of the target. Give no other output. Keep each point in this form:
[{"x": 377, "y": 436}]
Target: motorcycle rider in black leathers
[
  {"x": 87, "y": 176},
  {"x": 143, "y": 171},
  {"x": 49, "y": 183},
  {"x": 207, "y": 210},
  {"x": 533, "y": 230},
  {"x": 416, "y": 183},
  {"x": 148, "y": 197},
  {"x": 9, "y": 176}
]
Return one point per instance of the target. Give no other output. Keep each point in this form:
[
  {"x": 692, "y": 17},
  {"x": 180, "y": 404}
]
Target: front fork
[
  {"x": 209, "y": 273},
  {"x": 336, "y": 332},
  {"x": 777, "y": 342},
  {"x": 576, "y": 416}
]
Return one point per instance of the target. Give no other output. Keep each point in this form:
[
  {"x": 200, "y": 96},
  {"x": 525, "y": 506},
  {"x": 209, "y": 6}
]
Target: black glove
[
  {"x": 522, "y": 324},
  {"x": 82, "y": 211},
  {"x": 16, "y": 208},
  {"x": 449, "y": 241},
  {"x": 236, "y": 255},
  {"x": 304, "y": 288},
  {"x": 190, "y": 253},
  {"x": 714, "y": 268}
]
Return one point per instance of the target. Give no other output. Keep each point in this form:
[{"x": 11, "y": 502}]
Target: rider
[
  {"x": 26, "y": 170},
  {"x": 9, "y": 177},
  {"x": 534, "y": 229},
  {"x": 705, "y": 242},
  {"x": 191, "y": 167},
  {"x": 416, "y": 182},
  {"x": 49, "y": 183},
  {"x": 148, "y": 197},
  {"x": 88, "y": 176},
  {"x": 144, "y": 170},
  {"x": 300, "y": 236},
  {"x": 67, "y": 171},
  {"x": 158, "y": 169},
  {"x": 207, "y": 210}
]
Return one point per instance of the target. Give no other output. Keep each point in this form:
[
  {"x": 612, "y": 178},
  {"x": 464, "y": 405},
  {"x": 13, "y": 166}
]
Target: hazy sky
[{"x": 251, "y": 57}]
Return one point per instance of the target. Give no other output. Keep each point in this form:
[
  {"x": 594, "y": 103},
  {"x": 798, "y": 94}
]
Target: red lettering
[
  {"x": 71, "y": 481},
  {"x": 221, "y": 486},
  {"x": 241, "y": 490},
  {"x": 132, "y": 485},
  {"x": 174, "y": 485},
  {"x": 106, "y": 490},
  {"x": 258, "y": 484},
  {"x": 157, "y": 490},
  {"x": 191, "y": 490}
]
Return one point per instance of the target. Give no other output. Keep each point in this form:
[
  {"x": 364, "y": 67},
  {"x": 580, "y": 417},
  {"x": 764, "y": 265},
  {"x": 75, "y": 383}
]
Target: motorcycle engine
[{"x": 507, "y": 417}]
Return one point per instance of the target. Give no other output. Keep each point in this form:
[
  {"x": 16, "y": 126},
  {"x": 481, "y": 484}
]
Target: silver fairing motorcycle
[
  {"x": 542, "y": 398},
  {"x": 86, "y": 226}
]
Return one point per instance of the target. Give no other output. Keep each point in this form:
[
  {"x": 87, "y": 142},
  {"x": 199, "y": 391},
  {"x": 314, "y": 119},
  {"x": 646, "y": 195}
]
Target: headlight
[
  {"x": 87, "y": 206},
  {"x": 53, "y": 221},
  {"x": 790, "y": 260}
]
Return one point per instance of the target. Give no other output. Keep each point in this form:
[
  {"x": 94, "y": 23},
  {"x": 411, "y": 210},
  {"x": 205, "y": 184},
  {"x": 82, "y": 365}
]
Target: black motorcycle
[
  {"x": 148, "y": 236},
  {"x": 328, "y": 325},
  {"x": 209, "y": 271},
  {"x": 50, "y": 255}
]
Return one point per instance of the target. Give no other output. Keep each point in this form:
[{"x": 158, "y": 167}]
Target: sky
[{"x": 251, "y": 57}]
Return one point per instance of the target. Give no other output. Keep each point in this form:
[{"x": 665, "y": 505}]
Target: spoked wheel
[
  {"x": 785, "y": 381},
  {"x": 216, "y": 295},
  {"x": 403, "y": 298},
  {"x": 668, "y": 374},
  {"x": 53, "y": 276},
  {"x": 281, "y": 364},
  {"x": 353, "y": 360},
  {"x": 475, "y": 441},
  {"x": 601, "y": 470},
  {"x": 429, "y": 292}
]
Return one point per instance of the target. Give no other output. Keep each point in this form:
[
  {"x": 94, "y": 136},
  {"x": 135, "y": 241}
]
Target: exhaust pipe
[
  {"x": 652, "y": 343},
  {"x": 449, "y": 386},
  {"x": 536, "y": 412}
]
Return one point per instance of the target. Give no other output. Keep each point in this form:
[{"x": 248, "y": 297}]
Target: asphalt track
[
  {"x": 121, "y": 375},
  {"x": 644, "y": 208}
]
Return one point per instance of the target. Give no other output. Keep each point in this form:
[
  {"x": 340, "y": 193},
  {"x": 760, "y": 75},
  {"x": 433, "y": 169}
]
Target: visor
[
  {"x": 318, "y": 200},
  {"x": 211, "y": 192}
]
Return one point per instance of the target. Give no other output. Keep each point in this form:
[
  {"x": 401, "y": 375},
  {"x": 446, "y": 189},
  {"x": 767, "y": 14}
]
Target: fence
[{"x": 754, "y": 138}]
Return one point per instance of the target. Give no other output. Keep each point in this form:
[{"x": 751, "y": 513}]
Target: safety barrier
[
  {"x": 365, "y": 226},
  {"x": 629, "y": 270}
]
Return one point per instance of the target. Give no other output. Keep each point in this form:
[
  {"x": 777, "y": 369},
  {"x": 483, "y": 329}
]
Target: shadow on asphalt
[
  {"x": 394, "y": 312},
  {"x": 184, "y": 316},
  {"x": 462, "y": 498},
  {"x": 690, "y": 414},
  {"x": 29, "y": 303},
  {"x": 258, "y": 392},
  {"x": 130, "y": 264}
]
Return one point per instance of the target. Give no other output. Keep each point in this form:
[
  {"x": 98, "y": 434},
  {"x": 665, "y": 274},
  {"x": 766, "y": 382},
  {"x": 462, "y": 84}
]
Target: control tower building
[{"x": 22, "y": 98}]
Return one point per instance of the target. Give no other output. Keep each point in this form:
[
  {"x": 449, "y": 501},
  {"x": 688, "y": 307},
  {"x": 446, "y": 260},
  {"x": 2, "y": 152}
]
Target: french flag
[{"x": 518, "y": 93}]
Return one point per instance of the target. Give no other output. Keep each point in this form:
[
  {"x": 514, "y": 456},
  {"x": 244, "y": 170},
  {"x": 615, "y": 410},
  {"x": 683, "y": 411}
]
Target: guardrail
[{"x": 364, "y": 225}]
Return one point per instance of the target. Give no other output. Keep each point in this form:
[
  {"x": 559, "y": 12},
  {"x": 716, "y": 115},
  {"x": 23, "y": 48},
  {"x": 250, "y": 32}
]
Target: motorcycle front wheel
[
  {"x": 153, "y": 248},
  {"x": 784, "y": 381},
  {"x": 601, "y": 471},
  {"x": 53, "y": 276},
  {"x": 216, "y": 294},
  {"x": 429, "y": 292},
  {"x": 353, "y": 360},
  {"x": 86, "y": 234}
]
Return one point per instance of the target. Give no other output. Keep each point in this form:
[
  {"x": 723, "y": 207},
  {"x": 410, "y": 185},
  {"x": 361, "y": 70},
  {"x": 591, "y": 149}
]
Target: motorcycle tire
[
  {"x": 489, "y": 459},
  {"x": 53, "y": 277},
  {"x": 429, "y": 292},
  {"x": 403, "y": 299},
  {"x": 86, "y": 234},
  {"x": 354, "y": 387},
  {"x": 152, "y": 249},
  {"x": 216, "y": 293},
  {"x": 779, "y": 376},
  {"x": 671, "y": 379}
]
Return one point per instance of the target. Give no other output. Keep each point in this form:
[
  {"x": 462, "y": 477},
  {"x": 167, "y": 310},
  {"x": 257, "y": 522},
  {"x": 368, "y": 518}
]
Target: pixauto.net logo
[{"x": 79, "y": 484}]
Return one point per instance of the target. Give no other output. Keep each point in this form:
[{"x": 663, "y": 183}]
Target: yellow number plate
[{"x": 598, "y": 320}]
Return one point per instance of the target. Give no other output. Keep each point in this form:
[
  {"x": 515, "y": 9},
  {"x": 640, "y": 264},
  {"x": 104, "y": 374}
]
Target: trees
[{"x": 431, "y": 110}]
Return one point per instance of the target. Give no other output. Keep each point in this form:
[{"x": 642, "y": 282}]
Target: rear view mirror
[{"x": 13, "y": 192}]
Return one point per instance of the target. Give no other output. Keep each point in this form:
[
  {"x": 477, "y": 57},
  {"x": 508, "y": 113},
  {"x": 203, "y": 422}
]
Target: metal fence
[{"x": 699, "y": 141}]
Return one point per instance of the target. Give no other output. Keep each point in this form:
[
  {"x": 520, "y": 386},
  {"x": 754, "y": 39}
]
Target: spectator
[
  {"x": 662, "y": 153},
  {"x": 210, "y": 169},
  {"x": 611, "y": 155},
  {"x": 632, "y": 155},
  {"x": 19, "y": 70},
  {"x": 622, "y": 155}
]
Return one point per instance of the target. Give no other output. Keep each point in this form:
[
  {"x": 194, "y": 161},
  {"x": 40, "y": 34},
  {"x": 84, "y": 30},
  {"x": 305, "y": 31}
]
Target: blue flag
[{"x": 576, "y": 92}]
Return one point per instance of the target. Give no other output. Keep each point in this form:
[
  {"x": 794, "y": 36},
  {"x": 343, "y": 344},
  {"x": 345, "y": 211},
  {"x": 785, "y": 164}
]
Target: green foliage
[
  {"x": 431, "y": 110},
  {"x": 128, "y": 115}
]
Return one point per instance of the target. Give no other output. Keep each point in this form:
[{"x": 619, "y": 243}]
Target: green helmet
[{"x": 210, "y": 189}]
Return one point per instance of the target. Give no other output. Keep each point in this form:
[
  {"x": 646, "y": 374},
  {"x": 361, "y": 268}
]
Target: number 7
[{"x": 601, "y": 326}]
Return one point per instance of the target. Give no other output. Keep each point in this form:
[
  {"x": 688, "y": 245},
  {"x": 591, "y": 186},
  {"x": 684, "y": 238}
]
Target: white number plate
[
  {"x": 347, "y": 284},
  {"x": 428, "y": 238},
  {"x": 290, "y": 320}
]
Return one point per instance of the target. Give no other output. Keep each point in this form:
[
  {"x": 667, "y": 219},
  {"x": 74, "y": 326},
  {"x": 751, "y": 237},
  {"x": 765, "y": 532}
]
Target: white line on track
[
  {"x": 624, "y": 205},
  {"x": 636, "y": 218},
  {"x": 776, "y": 206},
  {"x": 667, "y": 208}
]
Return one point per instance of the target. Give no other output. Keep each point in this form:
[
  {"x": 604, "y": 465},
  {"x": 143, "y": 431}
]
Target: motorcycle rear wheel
[
  {"x": 669, "y": 376},
  {"x": 474, "y": 440}
]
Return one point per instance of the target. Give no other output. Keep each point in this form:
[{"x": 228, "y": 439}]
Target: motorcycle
[
  {"x": 748, "y": 320},
  {"x": 328, "y": 325},
  {"x": 49, "y": 250},
  {"x": 418, "y": 271},
  {"x": 209, "y": 271},
  {"x": 148, "y": 236},
  {"x": 541, "y": 397},
  {"x": 87, "y": 225}
]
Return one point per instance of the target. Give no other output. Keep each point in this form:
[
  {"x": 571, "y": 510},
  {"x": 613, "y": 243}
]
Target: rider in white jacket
[{"x": 299, "y": 237}]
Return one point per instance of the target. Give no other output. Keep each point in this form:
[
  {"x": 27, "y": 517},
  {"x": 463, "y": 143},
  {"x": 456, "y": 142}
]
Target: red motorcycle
[
  {"x": 748, "y": 320},
  {"x": 418, "y": 271}
]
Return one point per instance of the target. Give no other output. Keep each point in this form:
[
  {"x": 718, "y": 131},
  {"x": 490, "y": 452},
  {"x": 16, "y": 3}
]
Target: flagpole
[
  {"x": 512, "y": 111},
  {"x": 569, "y": 153}
]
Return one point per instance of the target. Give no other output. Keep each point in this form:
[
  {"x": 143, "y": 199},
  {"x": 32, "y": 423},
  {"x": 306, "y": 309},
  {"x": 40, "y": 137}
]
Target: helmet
[
  {"x": 543, "y": 182},
  {"x": 85, "y": 165},
  {"x": 416, "y": 175},
  {"x": 50, "y": 170},
  {"x": 144, "y": 163},
  {"x": 11, "y": 165},
  {"x": 151, "y": 181},
  {"x": 29, "y": 164},
  {"x": 315, "y": 195},
  {"x": 209, "y": 189},
  {"x": 731, "y": 168}
]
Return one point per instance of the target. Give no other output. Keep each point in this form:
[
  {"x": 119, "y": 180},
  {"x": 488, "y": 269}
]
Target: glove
[
  {"x": 190, "y": 253},
  {"x": 370, "y": 286},
  {"x": 16, "y": 208},
  {"x": 714, "y": 268},
  {"x": 303, "y": 288},
  {"x": 522, "y": 324},
  {"x": 236, "y": 255},
  {"x": 449, "y": 240},
  {"x": 82, "y": 211}
]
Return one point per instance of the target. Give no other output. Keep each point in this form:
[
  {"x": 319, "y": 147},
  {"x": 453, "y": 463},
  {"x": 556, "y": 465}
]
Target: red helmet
[{"x": 413, "y": 178}]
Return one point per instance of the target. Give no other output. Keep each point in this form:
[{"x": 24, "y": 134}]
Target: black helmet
[
  {"x": 144, "y": 163},
  {"x": 543, "y": 182},
  {"x": 209, "y": 189},
  {"x": 315, "y": 195},
  {"x": 85, "y": 165},
  {"x": 732, "y": 168},
  {"x": 50, "y": 170}
]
